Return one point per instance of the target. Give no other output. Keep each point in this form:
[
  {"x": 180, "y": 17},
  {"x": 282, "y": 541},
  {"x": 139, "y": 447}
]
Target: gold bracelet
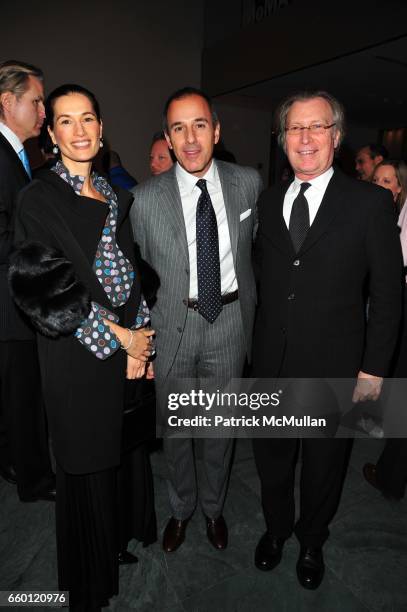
[{"x": 126, "y": 348}]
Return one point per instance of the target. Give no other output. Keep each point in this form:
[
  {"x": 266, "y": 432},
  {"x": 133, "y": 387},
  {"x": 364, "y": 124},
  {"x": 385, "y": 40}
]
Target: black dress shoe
[
  {"x": 174, "y": 534},
  {"x": 46, "y": 495},
  {"x": 44, "y": 491},
  {"x": 127, "y": 558},
  {"x": 217, "y": 532},
  {"x": 310, "y": 567},
  {"x": 268, "y": 553},
  {"x": 8, "y": 473}
]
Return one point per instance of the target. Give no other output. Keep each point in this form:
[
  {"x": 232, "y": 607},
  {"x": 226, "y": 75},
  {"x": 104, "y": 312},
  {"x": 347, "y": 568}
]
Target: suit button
[
  {"x": 283, "y": 330},
  {"x": 185, "y": 302},
  {"x": 186, "y": 271},
  {"x": 296, "y": 262},
  {"x": 179, "y": 329},
  {"x": 291, "y": 296}
]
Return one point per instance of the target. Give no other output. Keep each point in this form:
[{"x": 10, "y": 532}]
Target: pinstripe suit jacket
[{"x": 159, "y": 229}]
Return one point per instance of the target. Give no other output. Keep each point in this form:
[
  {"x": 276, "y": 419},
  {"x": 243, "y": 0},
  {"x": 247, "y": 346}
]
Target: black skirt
[
  {"x": 98, "y": 514},
  {"x": 87, "y": 537}
]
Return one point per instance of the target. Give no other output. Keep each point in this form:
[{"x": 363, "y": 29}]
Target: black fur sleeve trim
[{"x": 44, "y": 286}]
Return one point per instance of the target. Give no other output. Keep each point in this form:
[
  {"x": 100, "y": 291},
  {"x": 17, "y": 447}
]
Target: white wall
[{"x": 131, "y": 53}]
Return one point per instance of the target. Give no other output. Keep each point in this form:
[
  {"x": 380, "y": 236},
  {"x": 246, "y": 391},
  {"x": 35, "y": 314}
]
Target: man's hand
[
  {"x": 135, "y": 368},
  {"x": 368, "y": 387},
  {"x": 149, "y": 370}
]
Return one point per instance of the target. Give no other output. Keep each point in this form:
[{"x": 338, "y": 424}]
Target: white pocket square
[{"x": 245, "y": 214}]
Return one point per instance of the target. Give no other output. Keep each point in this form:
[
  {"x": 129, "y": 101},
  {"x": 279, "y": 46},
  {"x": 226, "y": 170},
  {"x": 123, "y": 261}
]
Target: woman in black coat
[{"x": 75, "y": 277}]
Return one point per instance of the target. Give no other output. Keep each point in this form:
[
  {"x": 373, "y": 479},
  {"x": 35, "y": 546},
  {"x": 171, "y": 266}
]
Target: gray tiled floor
[{"x": 366, "y": 555}]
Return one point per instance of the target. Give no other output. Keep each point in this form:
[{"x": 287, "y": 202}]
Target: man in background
[
  {"x": 118, "y": 175},
  {"x": 24, "y": 453},
  {"x": 367, "y": 159}
]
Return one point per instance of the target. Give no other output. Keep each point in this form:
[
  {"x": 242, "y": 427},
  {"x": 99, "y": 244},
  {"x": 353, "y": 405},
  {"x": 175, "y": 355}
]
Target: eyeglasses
[{"x": 314, "y": 128}]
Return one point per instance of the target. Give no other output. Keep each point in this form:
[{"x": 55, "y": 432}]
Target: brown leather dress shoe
[
  {"x": 217, "y": 532},
  {"x": 369, "y": 472},
  {"x": 174, "y": 534}
]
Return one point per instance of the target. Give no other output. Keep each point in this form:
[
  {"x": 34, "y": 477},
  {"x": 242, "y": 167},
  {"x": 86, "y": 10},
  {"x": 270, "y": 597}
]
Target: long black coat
[
  {"x": 311, "y": 320},
  {"x": 83, "y": 395},
  {"x": 13, "y": 178}
]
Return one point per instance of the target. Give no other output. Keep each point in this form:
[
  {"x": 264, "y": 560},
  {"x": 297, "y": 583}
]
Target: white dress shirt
[
  {"x": 313, "y": 195},
  {"x": 12, "y": 138},
  {"x": 189, "y": 197}
]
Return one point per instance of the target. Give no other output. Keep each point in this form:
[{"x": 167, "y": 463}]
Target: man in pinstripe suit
[{"x": 190, "y": 343}]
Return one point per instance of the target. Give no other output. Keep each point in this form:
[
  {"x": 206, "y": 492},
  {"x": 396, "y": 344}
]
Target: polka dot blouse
[{"x": 113, "y": 270}]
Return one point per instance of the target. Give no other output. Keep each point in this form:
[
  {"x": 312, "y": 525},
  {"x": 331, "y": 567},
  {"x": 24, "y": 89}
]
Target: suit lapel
[
  {"x": 230, "y": 191},
  {"x": 330, "y": 207},
  {"x": 277, "y": 228},
  {"x": 14, "y": 159},
  {"x": 170, "y": 199}
]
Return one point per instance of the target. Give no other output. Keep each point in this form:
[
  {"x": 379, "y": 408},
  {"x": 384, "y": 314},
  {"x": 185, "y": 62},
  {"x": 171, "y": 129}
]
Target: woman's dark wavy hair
[{"x": 66, "y": 90}]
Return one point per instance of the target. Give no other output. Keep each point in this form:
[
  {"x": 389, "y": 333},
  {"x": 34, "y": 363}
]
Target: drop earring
[
  {"x": 101, "y": 142},
  {"x": 55, "y": 149}
]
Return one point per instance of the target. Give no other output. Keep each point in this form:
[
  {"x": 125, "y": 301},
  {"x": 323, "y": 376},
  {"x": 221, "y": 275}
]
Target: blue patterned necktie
[
  {"x": 207, "y": 250},
  {"x": 25, "y": 161},
  {"x": 299, "y": 218}
]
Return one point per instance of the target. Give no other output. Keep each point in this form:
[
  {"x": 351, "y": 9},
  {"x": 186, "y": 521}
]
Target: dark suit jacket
[
  {"x": 13, "y": 178},
  {"x": 312, "y": 313},
  {"x": 83, "y": 394}
]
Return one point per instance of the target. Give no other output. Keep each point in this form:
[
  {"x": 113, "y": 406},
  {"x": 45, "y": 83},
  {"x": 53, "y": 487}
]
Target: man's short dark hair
[
  {"x": 184, "y": 93},
  {"x": 376, "y": 150}
]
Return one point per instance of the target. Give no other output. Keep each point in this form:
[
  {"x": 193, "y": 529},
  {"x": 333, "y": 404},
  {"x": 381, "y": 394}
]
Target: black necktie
[
  {"x": 207, "y": 249},
  {"x": 299, "y": 219}
]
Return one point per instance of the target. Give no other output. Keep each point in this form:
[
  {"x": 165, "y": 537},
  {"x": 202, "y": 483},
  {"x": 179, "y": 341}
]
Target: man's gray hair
[
  {"x": 14, "y": 78},
  {"x": 338, "y": 112}
]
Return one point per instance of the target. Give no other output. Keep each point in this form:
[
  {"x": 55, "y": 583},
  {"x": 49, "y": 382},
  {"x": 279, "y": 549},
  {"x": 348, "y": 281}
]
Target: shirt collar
[
  {"x": 319, "y": 182},
  {"x": 189, "y": 181},
  {"x": 11, "y": 137}
]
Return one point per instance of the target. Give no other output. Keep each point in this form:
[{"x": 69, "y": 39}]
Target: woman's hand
[
  {"x": 140, "y": 345},
  {"x": 135, "y": 368}
]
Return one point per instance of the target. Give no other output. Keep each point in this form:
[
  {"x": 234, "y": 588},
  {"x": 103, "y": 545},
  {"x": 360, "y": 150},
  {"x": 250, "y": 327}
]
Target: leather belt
[{"x": 228, "y": 298}]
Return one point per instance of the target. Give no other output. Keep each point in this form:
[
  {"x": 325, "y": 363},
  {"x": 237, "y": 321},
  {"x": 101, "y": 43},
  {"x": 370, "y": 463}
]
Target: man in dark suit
[
  {"x": 195, "y": 225},
  {"x": 24, "y": 454},
  {"x": 322, "y": 239}
]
